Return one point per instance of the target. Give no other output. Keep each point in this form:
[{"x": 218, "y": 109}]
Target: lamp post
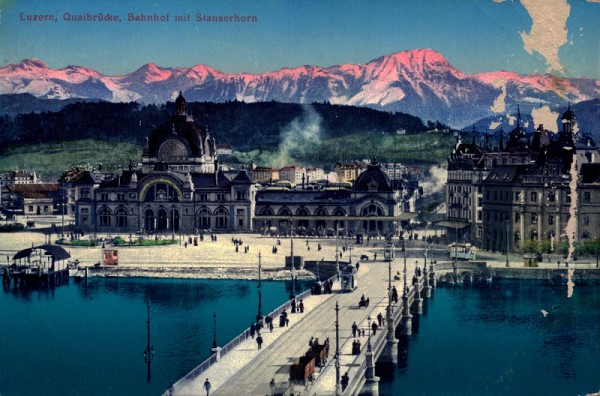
[
  {"x": 149, "y": 352},
  {"x": 369, "y": 338},
  {"x": 214, "y": 331},
  {"x": 293, "y": 269},
  {"x": 259, "y": 314},
  {"x": 338, "y": 386},
  {"x": 507, "y": 240},
  {"x": 337, "y": 254}
]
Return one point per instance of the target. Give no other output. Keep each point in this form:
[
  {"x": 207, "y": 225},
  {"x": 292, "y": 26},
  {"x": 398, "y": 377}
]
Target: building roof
[
  {"x": 34, "y": 191},
  {"x": 373, "y": 179},
  {"x": 57, "y": 252}
]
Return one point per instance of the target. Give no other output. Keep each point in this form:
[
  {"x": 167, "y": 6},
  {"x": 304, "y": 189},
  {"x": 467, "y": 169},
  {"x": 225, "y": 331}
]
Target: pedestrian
[
  {"x": 310, "y": 342},
  {"x": 354, "y": 329},
  {"x": 375, "y": 256},
  {"x": 259, "y": 341},
  {"x": 272, "y": 385},
  {"x": 379, "y": 318},
  {"x": 374, "y": 328},
  {"x": 294, "y": 306},
  {"x": 207, "y": 386},
  {"x": 252, "y": 330},
  {"x": 345, "y": 380},
  {"x": 357, "y": 265},
  {"x": 301, "y": 306}
]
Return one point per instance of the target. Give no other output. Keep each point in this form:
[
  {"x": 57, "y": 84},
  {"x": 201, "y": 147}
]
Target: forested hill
[{"x": 244, "y": 126}]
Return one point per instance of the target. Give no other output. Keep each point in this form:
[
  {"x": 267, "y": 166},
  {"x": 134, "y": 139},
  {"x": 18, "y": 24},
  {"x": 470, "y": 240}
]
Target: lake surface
[
  {"x": 495, "y": 340},
  {"x": 74, "y": 340}
]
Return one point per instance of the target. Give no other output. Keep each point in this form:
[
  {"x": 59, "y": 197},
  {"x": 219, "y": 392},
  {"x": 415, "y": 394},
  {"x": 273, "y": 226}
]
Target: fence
[{"x": 205, "y": 365}]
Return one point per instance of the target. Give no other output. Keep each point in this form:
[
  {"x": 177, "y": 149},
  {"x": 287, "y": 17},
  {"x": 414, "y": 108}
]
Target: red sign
[{"x": 110, "y": 257}]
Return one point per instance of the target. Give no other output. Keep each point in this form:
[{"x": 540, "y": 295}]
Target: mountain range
[{"x": 420, "y": 82}]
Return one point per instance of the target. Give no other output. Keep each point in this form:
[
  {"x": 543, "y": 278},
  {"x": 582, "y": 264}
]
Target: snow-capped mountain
[{"x": 420, "y": 82}]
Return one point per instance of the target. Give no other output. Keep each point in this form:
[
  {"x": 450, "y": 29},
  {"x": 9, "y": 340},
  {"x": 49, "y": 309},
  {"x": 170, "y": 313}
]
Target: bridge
[{"x": 241, "y": 368}]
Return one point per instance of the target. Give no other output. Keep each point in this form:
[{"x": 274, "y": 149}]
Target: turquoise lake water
[{"x": 73, "y": 340}]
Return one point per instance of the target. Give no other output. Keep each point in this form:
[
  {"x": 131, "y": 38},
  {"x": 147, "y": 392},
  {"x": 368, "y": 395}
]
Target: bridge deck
[{"x": 247, "y": 371}]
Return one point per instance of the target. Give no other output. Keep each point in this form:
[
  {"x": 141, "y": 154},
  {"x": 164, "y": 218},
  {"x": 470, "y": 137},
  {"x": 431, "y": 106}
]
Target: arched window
[
  {"x": 339, "y": 224},
  {"x": 534, "y": 235},
  {"x": 149, "y": 220},
  {"x": 121, "y": 217},
  {"x": 161, "y": 219},
  {"x": 284, "y": 211},
  {"x": 204, "y": 218},
  {"x": 221, "y": 218},
  {"x": 174, "y": 219},
  {"x": 585, "y": 235},
  {"x": 266, "y": 211},
  {"x": 301, "y": 222},
  {"x": 372, "y": 225},
  {"x": 104, "y": 216}
]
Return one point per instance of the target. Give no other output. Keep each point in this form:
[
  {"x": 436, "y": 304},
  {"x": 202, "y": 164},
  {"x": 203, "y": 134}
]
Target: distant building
[
  {"x": 17, "y": 177},
  {"x": 314, "y": 174},
  {"x": 349, "y": 171},
  {"x": 224, "y": 149},
  {"x": 293, "y": 173},
  {"x": 263, "y": 174},
  {"x": 500, "y": 198},
  {"x": 31, "y": 199}
]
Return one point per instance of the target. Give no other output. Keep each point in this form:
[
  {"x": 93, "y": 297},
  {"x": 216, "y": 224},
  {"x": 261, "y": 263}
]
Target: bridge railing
[{"x": 212, "y": 359}]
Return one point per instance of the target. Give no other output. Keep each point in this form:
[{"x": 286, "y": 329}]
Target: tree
[{"x": 592, "y": 247}]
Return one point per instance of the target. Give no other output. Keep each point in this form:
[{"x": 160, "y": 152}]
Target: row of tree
[{"x": 245, "y": 126}]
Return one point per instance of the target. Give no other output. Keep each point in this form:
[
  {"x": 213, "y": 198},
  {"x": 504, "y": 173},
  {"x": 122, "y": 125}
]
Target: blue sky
[{"x": 475, "y": 36}]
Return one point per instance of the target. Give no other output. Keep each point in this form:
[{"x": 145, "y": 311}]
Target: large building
[
  {"x": 500, "y": 198},
  {"x": 179, "y": 187},
  {"x": 371, "y": 206}
]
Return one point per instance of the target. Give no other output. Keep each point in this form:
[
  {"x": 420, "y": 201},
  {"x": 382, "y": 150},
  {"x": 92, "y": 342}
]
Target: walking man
[
  {"x": 259, "y": 341},
  {"x": 207, "y": 387},
  {"x": 354, "y": 329}
]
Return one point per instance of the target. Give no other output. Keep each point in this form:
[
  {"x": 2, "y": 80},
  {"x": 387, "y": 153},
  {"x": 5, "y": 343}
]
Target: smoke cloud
[
  {"x": 301, "y": 134},
  {"x": 438, "y": 176}
]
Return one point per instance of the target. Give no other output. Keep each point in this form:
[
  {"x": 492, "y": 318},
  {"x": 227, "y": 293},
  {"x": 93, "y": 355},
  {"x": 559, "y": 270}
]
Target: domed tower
[
  {"x": 179, "y": 145},
  {"x": 517, "y": 139},
  {"x": 568, "y": 122}
]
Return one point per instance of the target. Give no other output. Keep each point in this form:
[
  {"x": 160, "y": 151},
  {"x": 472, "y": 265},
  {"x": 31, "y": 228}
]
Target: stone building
[
  {"x": 179, "y": 187},
  {"x": 371, "y": 206},
  {"x": 500, "y": 198}
]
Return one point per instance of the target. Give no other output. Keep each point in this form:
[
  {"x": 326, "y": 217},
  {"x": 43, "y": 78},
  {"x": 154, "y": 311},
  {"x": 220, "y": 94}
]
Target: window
[
  {"x": 551, "y": 196},
  {"x": 240, "y": 217},
  {"x": 31, "y": 208},
  {"x": 587, "y": 196},
  {"x": 120, "y": 197},
  {"x": 85, "y": 210},
  {"x": 517, "y": 217},
  {"x": 518, "y": 196},
  {"x": 121, "y": 217},
  {"x": 104, "y": 216},
  {"x": 85, "y": 193},
  {"x": 551, "y": 220},
  {"x": 220, "y": 197},
  {"x": 586, "y": 220},
  {"x": 533, "y": 196},
  {"x": 222, "y": 218},
  {"x": 104, "y": 197},
  {"x": 204, "y": 218},
  {"x": 479, "y": 215},
  {"x": 534, "y": 218},
  {"x": 240, "y": 195},
  {"x": 203, "y": 197}
]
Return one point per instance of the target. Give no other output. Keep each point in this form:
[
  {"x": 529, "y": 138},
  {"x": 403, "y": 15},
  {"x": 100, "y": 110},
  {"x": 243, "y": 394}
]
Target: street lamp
[
  {"x": 214, "y": 331},
  {"x": 337, "y": 254},
  {"x": 293, "y": 269},
  {"x": 259, "y": 315},
  {"x": 507, "y": 240},
  {"x": 369, "y": 339},
  {"x": 149, "y": 352},
  {"x": 338, "y": 386}
]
